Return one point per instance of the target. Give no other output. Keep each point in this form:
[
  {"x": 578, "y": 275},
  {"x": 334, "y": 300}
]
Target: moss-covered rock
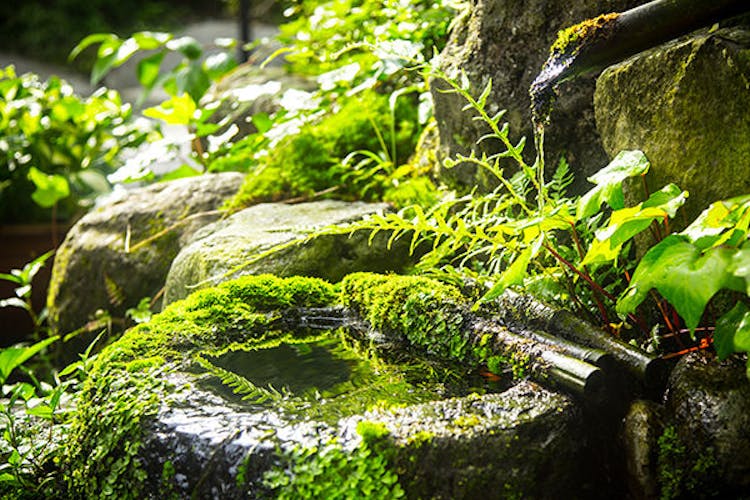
[
  {"x": 94, "y": 270},
  {"x": 148, "y": 423},
  {"x": 508, "y": 42},
  {"x": 685, "y": 105},
  {"x": 222, "y": 250},
  {"x": 522, "y": 443},
  {"x": 131, "y": 380},
  {"x": 705, "y": 446}
]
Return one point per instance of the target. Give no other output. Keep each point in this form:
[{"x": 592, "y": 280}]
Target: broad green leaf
[
  {"x": 609, "y": 183},
  {"x": 626, "y": 223},
  {"x": 148, "y": 69},
  {"x": 178, "y": 110},
  {"x": 740, "y": 266},
  {"x": 732, "y": 332},
  {"x": 49, "y": 188},
  {"x": 187, "y": 45},
  {"x": 682, "y": 275},
  {"x": 13, "y": 357}
]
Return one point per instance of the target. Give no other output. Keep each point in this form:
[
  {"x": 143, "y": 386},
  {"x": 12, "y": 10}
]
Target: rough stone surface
[
  {"x": 710, "y": 406},
  {"x": 642, "y": 427},
  {"x": 524, "y": 442},
  {"x": 218, "y": 250},
  {"x": 93, "y": 271},
  {"x": 508, "y": 41},
  {"x": 685, "y": 105}
]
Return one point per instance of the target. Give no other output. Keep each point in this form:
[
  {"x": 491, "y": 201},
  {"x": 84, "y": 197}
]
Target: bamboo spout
[{"x": 606, "y": 40}]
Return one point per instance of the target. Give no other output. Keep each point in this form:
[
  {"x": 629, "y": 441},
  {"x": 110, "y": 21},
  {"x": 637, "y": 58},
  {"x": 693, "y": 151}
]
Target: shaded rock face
[
  {"x": 219, "y": 249},
  {"x": 92, "y": 269},
  {"x": 710, "y": 406},
  {"x": 508, "y": 41},
  {"x": 685, "y": 104},
  {"x": 642, "y": 427},
  {"x": 525, "y": 440}
]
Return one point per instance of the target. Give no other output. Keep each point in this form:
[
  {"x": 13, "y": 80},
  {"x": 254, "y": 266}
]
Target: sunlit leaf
[
  {"x": 148, "y": 69},
  {"x": 609, "y": 183},
  {"x": 13, "y": 357},
  {"x": 149, "y": 40},
  {"x": 49, "y": 188},
  {"x": 178, "y": 110},
  {"x": 187, "y": 45}
]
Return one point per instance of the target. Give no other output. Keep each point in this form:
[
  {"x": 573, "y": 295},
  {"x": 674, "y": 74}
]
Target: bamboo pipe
[
  {"x": 528, "y": 312},
  {"x": 561, "y": 362},
  {"x": 597, "y": 43}
]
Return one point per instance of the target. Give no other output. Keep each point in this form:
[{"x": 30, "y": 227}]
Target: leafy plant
[
  {"x": 192, "y": 76},
  {"x": 691, "y": 267},
  {"x": 56, "y": 148},
  {"x": 23, "y": 279},
  {"x": 526, "y": 233}
]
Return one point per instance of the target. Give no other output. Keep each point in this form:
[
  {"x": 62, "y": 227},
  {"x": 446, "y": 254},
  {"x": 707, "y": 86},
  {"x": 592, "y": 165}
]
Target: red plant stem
[
  {"x": 585, "y": 277},
  {"x": 663, "y": 312},
  {"x": 577, "y": 240}
]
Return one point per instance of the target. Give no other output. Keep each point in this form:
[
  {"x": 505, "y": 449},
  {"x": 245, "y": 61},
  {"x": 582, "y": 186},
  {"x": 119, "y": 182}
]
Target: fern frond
[{"x": 239, "y": 384}]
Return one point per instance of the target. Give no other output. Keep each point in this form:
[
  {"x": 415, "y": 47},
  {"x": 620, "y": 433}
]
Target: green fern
[{"x": 240, "y": 385}]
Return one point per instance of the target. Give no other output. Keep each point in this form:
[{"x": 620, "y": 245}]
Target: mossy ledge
[{"x": 126, "y": 381}]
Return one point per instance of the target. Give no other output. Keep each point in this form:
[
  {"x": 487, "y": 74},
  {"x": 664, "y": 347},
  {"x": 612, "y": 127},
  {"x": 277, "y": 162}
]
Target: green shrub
[{"x": 56, "y": 148}]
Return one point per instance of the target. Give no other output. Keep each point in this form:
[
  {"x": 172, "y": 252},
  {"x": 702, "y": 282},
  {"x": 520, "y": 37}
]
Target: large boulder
[
  {"x": 93, "y": 270},
  {"x": 685, "y": 105},
  {"x": 706, "y": 444},
  {"x": 507, "y": 41},
  {"x": 223, "y": 250},
  {"x": 230, "y": 393}
]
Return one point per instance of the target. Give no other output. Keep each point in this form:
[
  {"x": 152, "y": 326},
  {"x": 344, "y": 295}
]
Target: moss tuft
[{"x": 570, "y": 40}]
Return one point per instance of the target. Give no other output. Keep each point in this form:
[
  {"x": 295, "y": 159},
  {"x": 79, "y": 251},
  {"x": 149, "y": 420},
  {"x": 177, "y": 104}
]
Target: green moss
[
  {"x": 126, "y": 382},
  {"x": 570, "y": 40},
  {"x": 428, "y": 313},
  {"x": 330, "y": 471},
  {"x": 310, "y": 161},
  {"x": 681, "y": 474}
]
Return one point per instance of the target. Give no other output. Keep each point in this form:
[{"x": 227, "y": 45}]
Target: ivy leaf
[
  {"x": 609, "y": 183},
  {"x": 732, "y": 332},
  {"x": 682, "y": 275},
  {"x": 626, "y": 223},
  {"x": 49, "y": 188}
]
